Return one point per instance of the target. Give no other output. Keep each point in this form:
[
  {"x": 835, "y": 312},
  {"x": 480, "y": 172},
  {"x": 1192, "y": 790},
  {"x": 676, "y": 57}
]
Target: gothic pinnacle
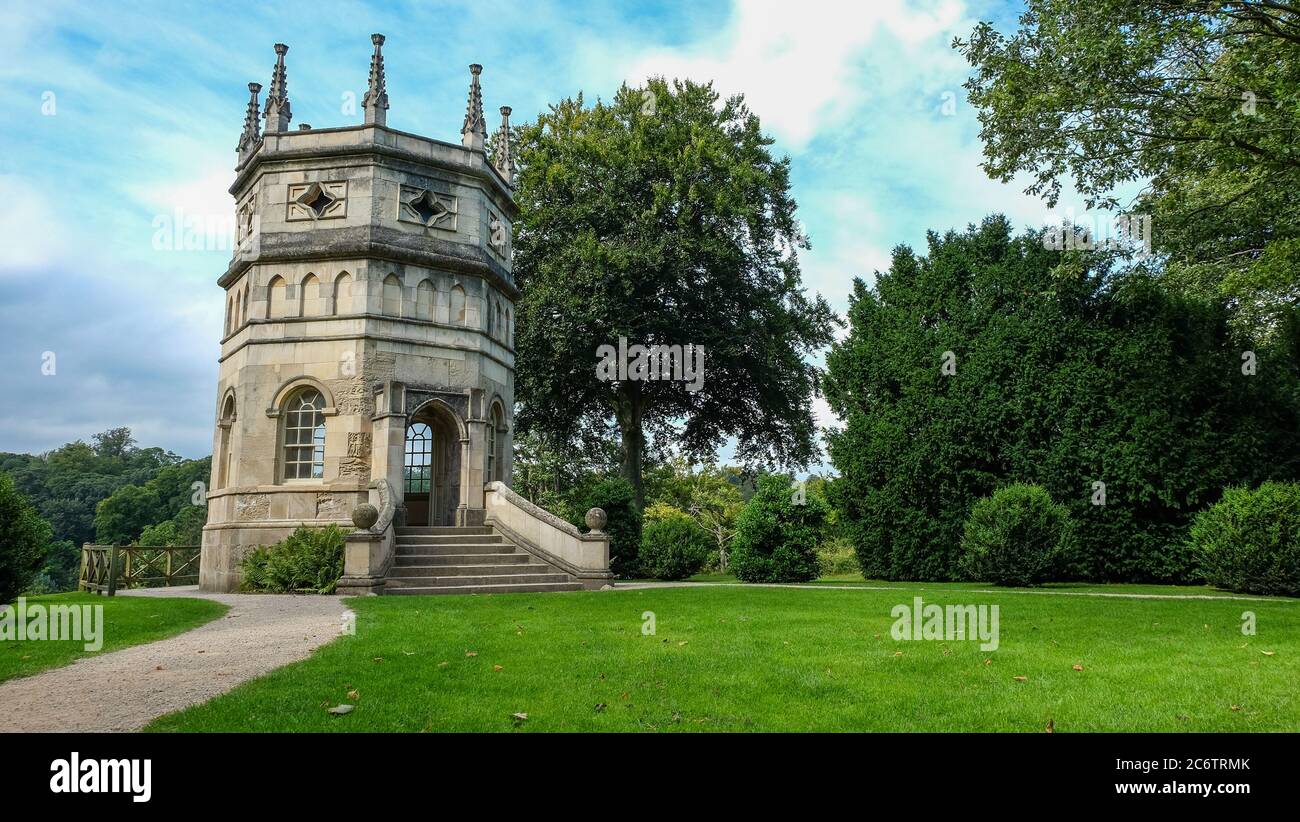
[
  {"x": 376, "y": 99},
  {"x": 473, "y": 134},
  {"x": 504, "y": 159},
  {"x": 250, "y": 137},
  {"x": 278, "y": 112}
]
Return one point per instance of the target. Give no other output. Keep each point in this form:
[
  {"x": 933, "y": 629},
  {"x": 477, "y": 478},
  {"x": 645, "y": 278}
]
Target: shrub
[
  {"x": 673, "y": 545},
  {"x": 616, "y": 497},
  {"x": 1015, "y": 537},
  {"x": 836, "y": 556},
  {"x": 24, "y": 539},
  {"x": 308, "y": 560},
  {"x": 776, "y": 539},
  {"x": 1250, "y": 540}
]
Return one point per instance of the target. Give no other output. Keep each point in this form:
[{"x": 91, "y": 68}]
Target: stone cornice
[{"x": 373, "y": 243}]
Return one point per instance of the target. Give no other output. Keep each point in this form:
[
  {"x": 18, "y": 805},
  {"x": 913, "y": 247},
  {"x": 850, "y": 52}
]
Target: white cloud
[{"x": 800, "y": 65}]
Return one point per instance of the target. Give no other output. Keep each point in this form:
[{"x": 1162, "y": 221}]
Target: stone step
[
  {"x": 528, "y": 588},
  {"x": 404, "y": 549},
  {"x": 450, "y": 530},
  {"x": 429, "y": 569},
  {"x": 519, "y": 558},
  {"x": 447, "y": 539},
  {"x": 471, "y": 582}
]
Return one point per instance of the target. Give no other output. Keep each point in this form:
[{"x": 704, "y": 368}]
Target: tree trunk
[{"x": 628, "y": 410}]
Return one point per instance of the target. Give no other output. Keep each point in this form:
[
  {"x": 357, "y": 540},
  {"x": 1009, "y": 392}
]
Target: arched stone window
[
  {"x": 509, "y": 340},
  {"x": 225, "y": 455},
  {"x": 343, "y": 294},
  {"x": 277, "y": 303},
  {"x": 230, "y": 315},
  {"x": 495, "y": 434},
  {"x": 392, "y": 296},
  {"x": 424, "y": 300},
  {"x": 243, "y": 313},
  {"x": 312, "y": 304},
  {"x": 304, "y": 435},
  {"x": 458, "y": 305},
  {"x": 498, "y": 329}
]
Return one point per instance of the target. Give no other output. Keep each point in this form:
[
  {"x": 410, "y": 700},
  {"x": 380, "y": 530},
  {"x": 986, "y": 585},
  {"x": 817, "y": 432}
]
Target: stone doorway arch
[{"x": 431, "y": 465}]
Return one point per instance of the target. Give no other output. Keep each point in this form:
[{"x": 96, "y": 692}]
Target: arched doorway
[{"x": 431, "y": 470}]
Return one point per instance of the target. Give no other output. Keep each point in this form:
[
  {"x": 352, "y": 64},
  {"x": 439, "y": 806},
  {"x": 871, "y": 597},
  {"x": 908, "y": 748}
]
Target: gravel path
[{"x": 125, "y": 690}]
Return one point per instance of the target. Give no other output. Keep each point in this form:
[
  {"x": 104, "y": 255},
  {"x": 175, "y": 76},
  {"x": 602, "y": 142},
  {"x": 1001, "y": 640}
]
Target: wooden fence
[{"x": 105, "y": 568}]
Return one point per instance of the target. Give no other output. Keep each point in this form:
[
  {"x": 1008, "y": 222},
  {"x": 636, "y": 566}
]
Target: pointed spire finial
[
  {"x": 504, "y": 158},
  {"x": 376, "y": 99},
  {"x": 473, "y": 134},
  {"x": 250, "y": 138},
  {"x": 278, "y": 112}
]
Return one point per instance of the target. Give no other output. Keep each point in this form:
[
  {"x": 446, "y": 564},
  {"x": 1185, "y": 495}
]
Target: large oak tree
[{"x": 663, "y": 217}]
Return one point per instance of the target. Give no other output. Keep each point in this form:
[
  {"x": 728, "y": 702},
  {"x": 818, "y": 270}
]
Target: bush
[
  {"x": 616, "y": 497},
  {"x": 1250, "y": 540},
  {"x": 673, "y": 545},
  {"x": 836, "y": 556},
  {"x": 24, "y": 539},
  {"x": 308, "y": 560},
  {"x": 1015, "y": 537},
  {"x": 776, "y": 540}
]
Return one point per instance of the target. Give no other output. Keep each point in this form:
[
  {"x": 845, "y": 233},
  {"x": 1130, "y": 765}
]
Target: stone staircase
[{"x": 470, "y": 560}]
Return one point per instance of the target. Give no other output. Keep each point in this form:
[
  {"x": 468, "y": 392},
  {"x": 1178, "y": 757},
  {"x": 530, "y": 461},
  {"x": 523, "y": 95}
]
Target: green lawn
[
  {"x": 1069, "y": 587},
  {"x": 127, "y": 621},
  {"x": 777, "y": 659}
]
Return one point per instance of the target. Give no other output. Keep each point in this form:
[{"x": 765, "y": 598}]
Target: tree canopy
[
  {"x": 1198, "y": 100},
  {"x": 663, "y": 218}
]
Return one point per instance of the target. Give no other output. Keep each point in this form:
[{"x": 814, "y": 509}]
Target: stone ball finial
[
  {"x": 377, "y": 39},
  {"x": 597, "y": 519},
  {"x": 364, "y": 516},
  {"x": 281, "y": 49}
]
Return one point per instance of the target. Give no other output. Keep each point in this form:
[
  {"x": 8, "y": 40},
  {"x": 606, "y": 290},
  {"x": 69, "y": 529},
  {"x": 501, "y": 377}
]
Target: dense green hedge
[
  {"x": 1016, "y": 536},
  {"x": 616, "y": 498},
  {"x": 1063, "y": 373},
  {"x": 1250, "y": 540},
  {"x": 673, "y": 545},
  {"x": 776, "y": 536}
]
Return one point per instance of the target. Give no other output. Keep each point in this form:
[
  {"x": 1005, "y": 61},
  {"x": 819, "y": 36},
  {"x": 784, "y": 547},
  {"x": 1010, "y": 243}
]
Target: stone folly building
[{"x": 367, "y": 359}]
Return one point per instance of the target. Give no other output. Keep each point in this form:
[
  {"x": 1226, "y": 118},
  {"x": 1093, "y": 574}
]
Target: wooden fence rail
[{"x": 105, "y": 568}]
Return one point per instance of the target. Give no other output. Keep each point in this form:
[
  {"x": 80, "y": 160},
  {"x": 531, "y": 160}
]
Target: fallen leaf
[
  {"x": 443, "y": 664},
  {"x": 1051, "y": 727},
  {"x": 1268, "y": 653},
  {"x": 1236, "y": 707},
  {"x": 898, "y": 653},
  {"x": 988, "y": 662},
  {"x": 339, "y": 710},
  {"x": 496, "y": 667},
  {"x": 471, "y": 653},
  {"x": 377, "y": 659},
  {"x": 1078, "y": 667},
  {"x": 600, "y": 706},
  {"x": 519, "y": 717},
  {"x": 409, "y": 653},
  {"x": 1020, "y": 678},
  {"x": 677, "y": 717},
  {"x": 683, "y": 642},
  {"x": 354, "y": 695}
]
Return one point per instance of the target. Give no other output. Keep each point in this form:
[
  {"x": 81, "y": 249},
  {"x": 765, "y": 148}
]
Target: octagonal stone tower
[{"x": 369, "y": 325}]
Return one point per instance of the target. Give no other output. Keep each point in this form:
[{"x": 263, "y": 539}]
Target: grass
[
  {"x": 778, "y": 659},
  {"x": 1069, "y": 587},
  {"x": 127, "y": 621}
]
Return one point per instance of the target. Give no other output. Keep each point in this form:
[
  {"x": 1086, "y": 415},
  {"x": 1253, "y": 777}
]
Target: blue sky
[{"x": 115, "y": 118}]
